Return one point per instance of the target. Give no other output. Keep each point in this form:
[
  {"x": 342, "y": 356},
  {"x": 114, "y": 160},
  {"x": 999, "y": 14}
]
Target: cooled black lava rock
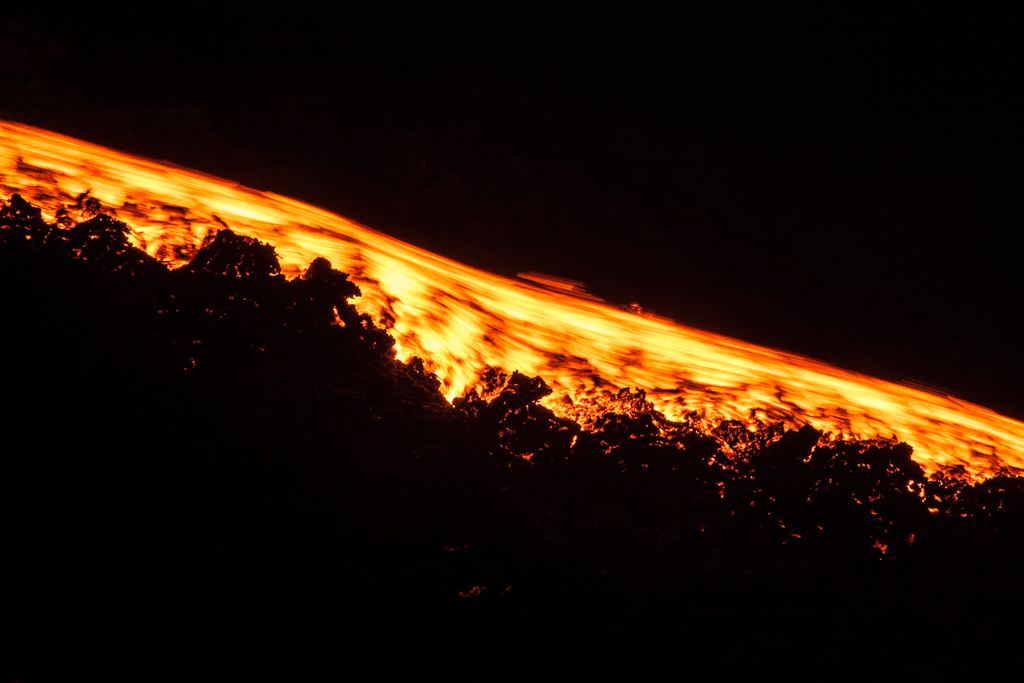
[{"x": 219, "y": 469}]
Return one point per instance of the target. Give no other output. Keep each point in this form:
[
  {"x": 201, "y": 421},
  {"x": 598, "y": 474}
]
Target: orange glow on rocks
[{"x": 463, "y": 321}]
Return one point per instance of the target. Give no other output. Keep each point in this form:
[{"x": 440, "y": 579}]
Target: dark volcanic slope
[{"x": 217, "y": 470}]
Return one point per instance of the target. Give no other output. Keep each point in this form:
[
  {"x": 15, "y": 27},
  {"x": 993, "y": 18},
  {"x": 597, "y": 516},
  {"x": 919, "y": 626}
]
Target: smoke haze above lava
[{"x": 837, "y": 182}]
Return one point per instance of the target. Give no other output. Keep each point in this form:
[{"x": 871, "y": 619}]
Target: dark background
[{"x": 836, "y": 181}]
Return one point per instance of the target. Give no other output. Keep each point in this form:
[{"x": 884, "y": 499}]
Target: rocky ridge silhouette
[{"x": 219, "y": 469}]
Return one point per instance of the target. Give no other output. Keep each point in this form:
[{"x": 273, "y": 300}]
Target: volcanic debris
[{"x": 215, "y": 468}]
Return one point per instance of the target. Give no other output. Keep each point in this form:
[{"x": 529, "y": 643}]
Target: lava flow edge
[{"x": 462, "y": 321}]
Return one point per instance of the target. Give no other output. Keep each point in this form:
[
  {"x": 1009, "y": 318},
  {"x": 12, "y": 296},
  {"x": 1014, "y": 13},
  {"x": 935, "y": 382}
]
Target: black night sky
[{"x": 836, "y": 181}]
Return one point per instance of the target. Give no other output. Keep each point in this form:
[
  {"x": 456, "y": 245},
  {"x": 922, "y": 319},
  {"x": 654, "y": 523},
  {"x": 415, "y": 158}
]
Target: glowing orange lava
[{"x": 461, "y": 320}]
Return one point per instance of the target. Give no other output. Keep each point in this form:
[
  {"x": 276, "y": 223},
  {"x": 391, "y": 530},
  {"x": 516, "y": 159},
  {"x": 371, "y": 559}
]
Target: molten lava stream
[{"x": 461, "y": 320}]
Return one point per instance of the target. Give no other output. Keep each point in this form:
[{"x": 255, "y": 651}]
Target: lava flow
[{"x": 462, "y": 321}]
